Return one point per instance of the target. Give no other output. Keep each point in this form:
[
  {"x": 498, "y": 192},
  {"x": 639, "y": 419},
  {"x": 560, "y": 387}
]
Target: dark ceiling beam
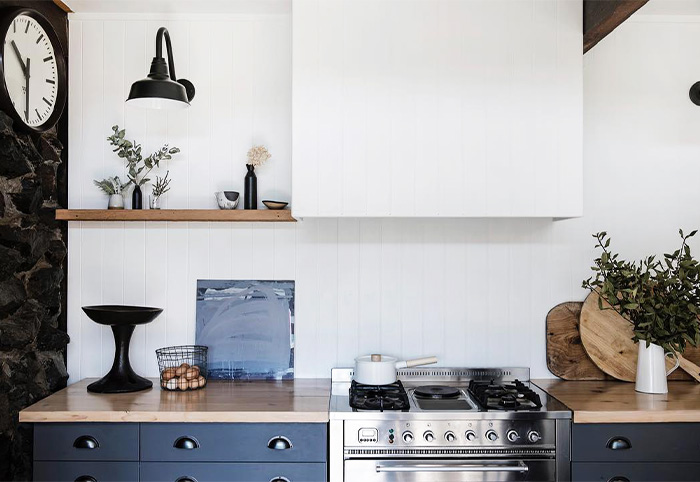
[
  {"x": 600, "y": 17},
  {"x": 60, "y": 4}
]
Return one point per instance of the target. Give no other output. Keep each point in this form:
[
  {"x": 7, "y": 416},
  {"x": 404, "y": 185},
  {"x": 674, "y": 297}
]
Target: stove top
[
  {"x": 504, "y": 396},
  {"x": 378, "y": 397},
  {"x": 439, "y": 393}
]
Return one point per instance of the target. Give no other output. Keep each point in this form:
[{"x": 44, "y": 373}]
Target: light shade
[
  {"x": 155, "y": 93},
  {"x": 160, "y": 90}
]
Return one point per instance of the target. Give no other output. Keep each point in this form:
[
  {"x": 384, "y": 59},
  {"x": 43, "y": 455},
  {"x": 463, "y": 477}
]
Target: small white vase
[
  {"x": 651, "y": 368},
  {"x": 116, "y": 201}
]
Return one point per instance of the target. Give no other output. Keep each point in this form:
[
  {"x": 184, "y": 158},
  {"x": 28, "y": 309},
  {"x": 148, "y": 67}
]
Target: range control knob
[
  {"x": 470, "y": 435},
  {"x": 428, "y": 436},
  {"x": 492, "y": 435},
  {"x": 450, "y": 436},
  {"x": 407, "y": 437},
  {"x": 534, "y": 436},
  {"x": 512, "y": 436}
]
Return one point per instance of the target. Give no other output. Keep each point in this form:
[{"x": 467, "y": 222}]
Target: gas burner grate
[
  {"x": 504, "y": 396},
  {"x": 379, "y": 397}
]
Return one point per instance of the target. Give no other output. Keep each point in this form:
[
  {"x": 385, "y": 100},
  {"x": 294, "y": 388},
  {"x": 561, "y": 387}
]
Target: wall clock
[{"x": 32, "y": 70}]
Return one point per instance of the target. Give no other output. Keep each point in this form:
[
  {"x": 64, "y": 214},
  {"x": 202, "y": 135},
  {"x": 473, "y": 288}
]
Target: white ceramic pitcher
[{"x": 651, "y": 368}]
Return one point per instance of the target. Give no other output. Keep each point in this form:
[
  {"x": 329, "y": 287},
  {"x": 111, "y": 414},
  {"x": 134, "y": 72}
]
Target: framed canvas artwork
[{"x": 248, "y": 326}]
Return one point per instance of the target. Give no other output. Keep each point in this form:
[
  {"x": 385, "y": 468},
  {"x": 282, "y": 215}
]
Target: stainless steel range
[{"x": 447, "y": 424}]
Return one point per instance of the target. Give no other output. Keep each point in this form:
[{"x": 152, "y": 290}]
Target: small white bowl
[{"x": 227, "y": 199}]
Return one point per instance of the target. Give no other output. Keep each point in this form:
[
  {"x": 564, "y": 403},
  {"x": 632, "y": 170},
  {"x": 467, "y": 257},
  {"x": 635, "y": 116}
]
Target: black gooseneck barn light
[
  {"x": 161, "y": 89},
  {"x": 695, "y": 93}
]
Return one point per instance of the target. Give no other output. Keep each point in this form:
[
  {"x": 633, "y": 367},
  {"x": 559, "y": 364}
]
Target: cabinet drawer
[
  {"x": 235, "y": 442},
  {"x": 86, "y": 471},
  {"x": 239, "y": 472},
  {"x": 638, "y": 442},
  {"x": 633, "y": 472},
  {"x": 86, "y": 441}
]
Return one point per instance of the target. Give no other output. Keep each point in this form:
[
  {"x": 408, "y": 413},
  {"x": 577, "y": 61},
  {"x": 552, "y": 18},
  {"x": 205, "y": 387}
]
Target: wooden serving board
[
  {"x": 566, "y": 357},
  {"x": 607, "y": 339}
]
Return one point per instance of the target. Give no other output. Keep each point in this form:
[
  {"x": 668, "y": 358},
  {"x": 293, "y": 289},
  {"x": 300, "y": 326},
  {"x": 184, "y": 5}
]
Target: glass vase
[{"x": 154, "y": 202}]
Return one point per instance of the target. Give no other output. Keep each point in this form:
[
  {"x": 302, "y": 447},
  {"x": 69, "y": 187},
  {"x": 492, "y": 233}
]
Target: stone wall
[
  {"x": 33, "y": 339},
  {"x": 33, "y": 335}
]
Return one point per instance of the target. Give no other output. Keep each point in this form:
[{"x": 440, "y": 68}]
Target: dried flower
[
  {"x": 257, "y": 155},
  {"x": 161, "y": 186}
]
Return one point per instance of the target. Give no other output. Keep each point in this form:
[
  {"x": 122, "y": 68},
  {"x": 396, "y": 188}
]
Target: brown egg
[
  {"x": 192, "y": 373},
  {"x": 171, "y": 384},
  {"x": 202, "y": 381},
  {"x": 182, "y": 383},
  {"x": 164, "y": 383},
  {"x": 193, "y": 384},
  {"x": 182, "y": 369},
  {"x": 169, "y": 373}
]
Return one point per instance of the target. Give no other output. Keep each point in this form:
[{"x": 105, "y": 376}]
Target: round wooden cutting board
[
  {"x": 566, "y": 357},
  {"x": 607, "y": 338}
]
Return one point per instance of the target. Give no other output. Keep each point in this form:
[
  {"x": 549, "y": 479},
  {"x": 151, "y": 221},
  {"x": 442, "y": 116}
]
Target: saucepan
[{"x": 381, "y": 369}]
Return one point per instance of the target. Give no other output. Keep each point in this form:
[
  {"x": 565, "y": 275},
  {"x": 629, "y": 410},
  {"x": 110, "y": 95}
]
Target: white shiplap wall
[
  {"x": 440, "y": 108},
  {"x": 471, "y": 291}
]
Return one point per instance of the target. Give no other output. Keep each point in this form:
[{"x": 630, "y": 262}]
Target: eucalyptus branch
[{"x": 135, "y": 162}]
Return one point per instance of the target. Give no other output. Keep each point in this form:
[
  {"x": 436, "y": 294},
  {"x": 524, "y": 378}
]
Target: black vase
[
  {"x": 137, "y": 198},
  {"x": 250, "y": 198}
]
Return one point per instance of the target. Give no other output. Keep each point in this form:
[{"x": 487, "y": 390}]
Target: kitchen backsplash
[{"x": 471, "y": 291}]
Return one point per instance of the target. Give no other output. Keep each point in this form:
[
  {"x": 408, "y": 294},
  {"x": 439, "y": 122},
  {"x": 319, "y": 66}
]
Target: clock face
[{"x": 30, "y": 69}]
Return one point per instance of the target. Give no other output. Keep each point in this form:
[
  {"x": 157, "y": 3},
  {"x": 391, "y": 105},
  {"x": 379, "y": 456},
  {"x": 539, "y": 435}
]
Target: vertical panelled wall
[
  {"x": 240, "y": 65},
  {"x": 437, "y": 108},
  {"x": 471, "y": 291}
]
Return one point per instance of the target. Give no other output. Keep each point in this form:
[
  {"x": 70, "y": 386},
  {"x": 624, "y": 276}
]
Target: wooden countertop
[
  {"x": 618, "y": 402},
  {"x": 300, "y": 400}
]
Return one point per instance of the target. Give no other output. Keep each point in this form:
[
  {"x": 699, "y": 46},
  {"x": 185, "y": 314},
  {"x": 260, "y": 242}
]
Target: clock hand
[
  {"x": 19, "y": 56},
  {"x": 26, "y": 113}
]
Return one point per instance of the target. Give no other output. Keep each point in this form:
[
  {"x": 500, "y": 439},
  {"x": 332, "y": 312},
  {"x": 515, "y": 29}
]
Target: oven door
[{"x": 436, "y": 470}]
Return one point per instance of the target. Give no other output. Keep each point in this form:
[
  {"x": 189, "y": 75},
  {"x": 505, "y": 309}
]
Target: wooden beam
[
  {"x": 600, "y": 17},
  {"x": 62, "y": 6}
]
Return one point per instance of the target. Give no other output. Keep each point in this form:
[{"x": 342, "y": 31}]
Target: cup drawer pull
[
  {"x": 185, "y": 478},
  {"x": 618, "y": 478},
  {"x": 279, "y": 478},
  {"x": 279, "y": 443},
  {"x": 86, "y": 478},
  {"x": 186, "y": 443},
  {"x": 619, "y": 443},
  {"x": 86, "y": 442}
]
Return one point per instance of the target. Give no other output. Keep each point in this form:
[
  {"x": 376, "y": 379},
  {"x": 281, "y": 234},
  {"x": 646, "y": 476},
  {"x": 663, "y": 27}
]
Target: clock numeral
[
  {"x": 14, "y": 26},
  {"x": 49, "y": 58},
  {"x": 27, "y": 29},
  {"x": 50, "y": 81},
  {"x": 47, "y": 102},
  {"x": 40, "y": 37},
  {"x": 37, "y": 113}
]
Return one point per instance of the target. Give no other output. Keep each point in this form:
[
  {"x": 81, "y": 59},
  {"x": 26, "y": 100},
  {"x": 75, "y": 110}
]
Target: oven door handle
[{"x": 517, "y": 467}]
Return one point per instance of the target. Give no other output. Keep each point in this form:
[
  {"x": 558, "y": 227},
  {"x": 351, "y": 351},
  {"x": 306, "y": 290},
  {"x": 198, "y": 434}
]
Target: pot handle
[{"x": 416, "y": 362}]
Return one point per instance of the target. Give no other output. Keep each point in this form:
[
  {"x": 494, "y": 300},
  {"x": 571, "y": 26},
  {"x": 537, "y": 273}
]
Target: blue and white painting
[{"x": 248, "y": 326}]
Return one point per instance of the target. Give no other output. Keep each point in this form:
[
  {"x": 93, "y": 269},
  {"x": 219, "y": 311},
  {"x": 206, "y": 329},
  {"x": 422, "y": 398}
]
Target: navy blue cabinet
[
  {"x": 180, "y": 452},
  {"x": 625, "y": 452},
  {"x": 233, "y": 442},
  {"x": 82, "y": 471},
  {"x": 237, "y": 472}
]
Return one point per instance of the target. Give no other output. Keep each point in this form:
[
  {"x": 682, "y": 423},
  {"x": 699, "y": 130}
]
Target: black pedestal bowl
[{"x": 123, "y": 320}]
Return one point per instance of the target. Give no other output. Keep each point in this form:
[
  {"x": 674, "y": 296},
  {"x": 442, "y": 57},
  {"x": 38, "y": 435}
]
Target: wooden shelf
[{"x": 184, "y": 215}]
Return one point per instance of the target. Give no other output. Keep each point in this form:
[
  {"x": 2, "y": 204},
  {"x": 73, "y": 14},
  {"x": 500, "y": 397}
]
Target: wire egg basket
[{"x": 183, "y": 367}]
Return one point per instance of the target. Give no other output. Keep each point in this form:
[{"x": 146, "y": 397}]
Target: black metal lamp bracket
[{"x": 158, "y": 65}]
